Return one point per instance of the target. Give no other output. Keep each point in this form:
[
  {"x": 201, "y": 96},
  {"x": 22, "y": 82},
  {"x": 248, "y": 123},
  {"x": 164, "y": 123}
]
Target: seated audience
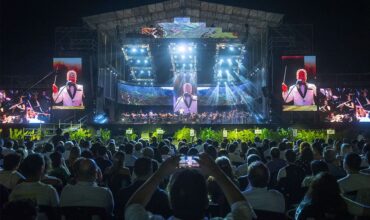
[
  {"x": 74, "y": 154},
  {"x": 305, "y": 158},
  {"x": 317, "y": 166},
  {"x": 323, "y": 200},
  {"x": 158, "y": 203},
  {"x": 188, "y": 192},
  {"x": 9, "y": 177},
  {"x": 355, "y": 185},
  {"x": 214, "y": 190},
  {"x": 275, "y": 165},
  {"x": 130, "y": 158},
  {"x": 367, "y": 170},
  {"x": 257, "y": 193},
  {"x": 57, "y": 168},
  {"x": 289, "y": 180},
  {"x": 32, "y": 188},
  {"x": 333, "y": 163},
  {"x": 137, "y": 150},
  {"x": 117, "y": 176},
  {"x": 102, "y": 157},
  {"x": 86, "y": 192}
]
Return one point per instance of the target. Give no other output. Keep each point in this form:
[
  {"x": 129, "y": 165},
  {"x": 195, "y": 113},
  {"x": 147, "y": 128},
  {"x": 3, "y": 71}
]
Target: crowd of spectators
[{"x": 141, "y": 179}]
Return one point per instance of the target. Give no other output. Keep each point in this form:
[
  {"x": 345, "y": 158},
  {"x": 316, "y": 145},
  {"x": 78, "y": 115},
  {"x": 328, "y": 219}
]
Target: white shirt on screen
[
  {"x": 68, "y": 96},
  {"x": 302, "y": 97}
]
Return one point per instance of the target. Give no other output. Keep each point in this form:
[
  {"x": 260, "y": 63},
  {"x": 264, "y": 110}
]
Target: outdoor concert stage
[{"x": 184, "y": 63}]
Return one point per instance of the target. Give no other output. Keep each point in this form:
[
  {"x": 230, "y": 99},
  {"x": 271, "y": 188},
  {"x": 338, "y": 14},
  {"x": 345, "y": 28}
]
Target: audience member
[
  {"x": 32, "y": 188},
  {"x": 9, "y": 177},
  {"x": 323, "y": 200},
  {"x": 102, "y": 158},
  {"x": 275, "y": 165},
  {"x": 257, "y": 193},
  {"x": 214, "y": 190},
  {"x": 86, "y": 192},
  {"x": 188, "y": 192},
  {"x": 158, "y": 203},
  {"x": 333, "y": 163},
  {"x": 57, "y": 167},
  {"x": 317, "y": 166},
  {"x": 355, "y": 185},
  {"x": 117, "y": 176},
  {"x": 290, "y": 178}
]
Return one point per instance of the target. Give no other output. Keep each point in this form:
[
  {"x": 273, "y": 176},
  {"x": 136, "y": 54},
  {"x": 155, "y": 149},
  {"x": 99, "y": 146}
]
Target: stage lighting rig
[
  {"x": 229, "y": 58},
  {"x": 139, "y": 60},
  {"x": 183, "y": 57}
]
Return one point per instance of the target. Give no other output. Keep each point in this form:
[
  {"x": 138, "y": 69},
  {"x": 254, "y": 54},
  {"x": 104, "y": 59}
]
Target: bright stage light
[
  {"x": 181, "y": 49},
  {"x": 231, "y": 48},
  {"x": 221, "y": 61},
  {"x": 190, "y": 49},
  {"x": 190, "y": 57},
  {"x": 175, "y": 56},
  {"x": 145, "y": 61},
  {"x": 219, "y": 73},
  {"x": 229, "y": 61},
  {"x": 141, "y": 71},
  {"x": 142, "y": 50},
  {"x": 138, "y": 61},
  {"x": 134, "y": 50},
  {"x": 182, "y": 56}
]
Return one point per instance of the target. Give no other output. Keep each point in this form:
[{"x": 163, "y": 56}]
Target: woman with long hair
[{"x": 323, "y": 200}]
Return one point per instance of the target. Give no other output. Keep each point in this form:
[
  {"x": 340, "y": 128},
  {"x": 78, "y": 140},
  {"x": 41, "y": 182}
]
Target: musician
[
  {"x": 187, "y": 103},
  {"x": 71, "y": 94},
  {"x": 302, "y": 93},
  {"x": 363, "y": 99}
]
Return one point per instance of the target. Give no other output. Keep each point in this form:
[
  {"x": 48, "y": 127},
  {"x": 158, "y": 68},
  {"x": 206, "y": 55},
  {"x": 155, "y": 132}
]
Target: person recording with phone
[
  {"x": 70, "y": 94},
  {"x": 188, "y": 192},
  {"x": 302, "y": 93}
]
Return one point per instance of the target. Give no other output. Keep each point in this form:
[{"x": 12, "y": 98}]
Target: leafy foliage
[
  {"x": 183, "y": 133},
  {"x": 81, "y": 134},
  {"x": 105, "y": 135}
]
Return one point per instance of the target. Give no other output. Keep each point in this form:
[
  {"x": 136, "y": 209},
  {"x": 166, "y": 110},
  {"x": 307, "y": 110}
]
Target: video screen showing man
[
  {"x": 301, "y": 93},
  {"x": 71, "y": 94},
  {"x": 187, "y": 103}
]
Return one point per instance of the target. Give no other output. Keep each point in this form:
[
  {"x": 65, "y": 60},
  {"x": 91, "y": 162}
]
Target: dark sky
[{"x": 341, "y": 29}]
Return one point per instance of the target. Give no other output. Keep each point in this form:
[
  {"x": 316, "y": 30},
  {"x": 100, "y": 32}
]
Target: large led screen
[
  {"x": 144, "y": 95},
  {"x": 344, "y": 104},
  {"x": 19, "y": 106},
  {"x": 67, "y": 91}
]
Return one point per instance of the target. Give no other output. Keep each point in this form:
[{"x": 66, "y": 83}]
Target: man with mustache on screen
[
  {"x": 71, "y": 94},
  {"x": 187, "y": 103},
  {"x": 302, "y": 93}
]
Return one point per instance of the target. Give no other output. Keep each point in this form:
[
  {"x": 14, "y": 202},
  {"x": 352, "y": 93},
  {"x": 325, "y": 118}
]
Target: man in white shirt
[
  {"x": 187, "y": 103},
  {"x": 302, "y": 93},
  {"x": 188, "y": 192},
  {"x": 8, "y": 148},
  {"x": 32, "y": 188},
  {"x": 257, "y": 193},
  {"x": 355, "y": 185},
  {"x": 86, "y": 192},
  {"x": 9, "y": 177},
  {"x": 71, "y": 94}
]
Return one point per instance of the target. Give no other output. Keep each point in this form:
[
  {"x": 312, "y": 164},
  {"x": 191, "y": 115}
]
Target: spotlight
[
  {"x": 221, "y": 61},
  {"x": 151, "y": 83},
  {"x": 190, "y": 57},
  {"x": 190, "y": 49},
  {"x": 145, "y": 61},
  {"x": 142, "y": 50},
  {"x": 141, "y": 71},
  {"x": 231, "y": 48},
  {"x": 191, "y": 65},
  {"x": 145, "y": 83},
  {"x": 182, "y": 56},
  {"x": 175, "y": 56},
  {"x": 138, "y": 61},
  {"x": 134, "y": 50},
  {"x": 227, "y": 72},
  {"x": 181, "y": 49},
  {"x": 229, "y": 61}
]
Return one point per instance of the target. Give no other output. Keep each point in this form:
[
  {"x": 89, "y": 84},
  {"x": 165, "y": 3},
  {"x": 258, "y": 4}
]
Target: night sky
[{"x": 341, "y": 30}]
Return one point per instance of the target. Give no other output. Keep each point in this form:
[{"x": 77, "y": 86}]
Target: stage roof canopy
[{"x": 229, "y": 18}]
